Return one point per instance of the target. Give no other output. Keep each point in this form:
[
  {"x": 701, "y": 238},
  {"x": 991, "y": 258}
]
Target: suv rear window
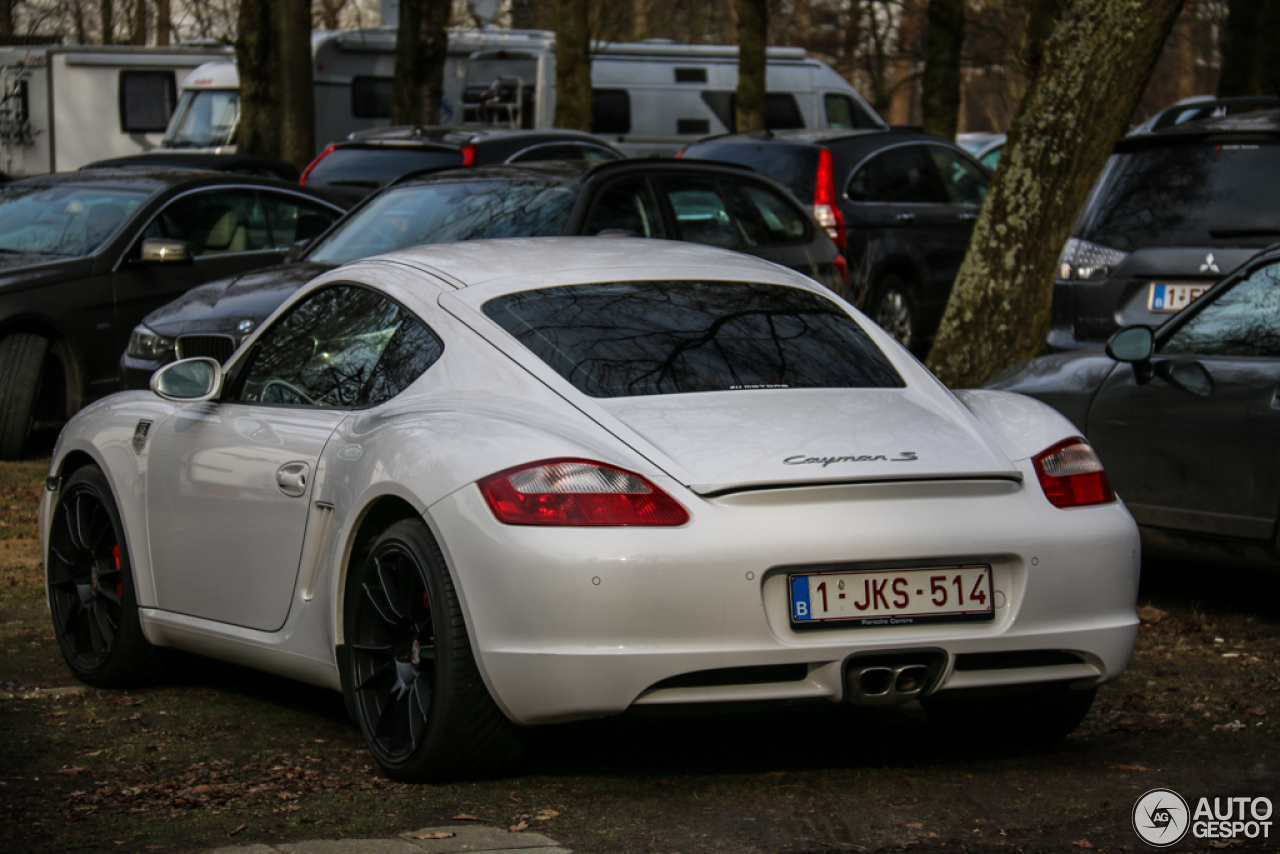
[
  {"x": 1197, "y": 193},
  {"x": 794, "y": 166},
  {"x": 374, "y": 166},
  {"x": 621, "y": 339}
]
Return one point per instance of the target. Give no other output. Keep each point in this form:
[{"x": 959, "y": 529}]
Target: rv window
[
  {"x": 840, "y": 114},
  {"x": 691, "y": 75},
  {"x": 146, "y": 100},
  {"x": 701, "y": 127},
  {"x": 610, "y": 111},
  {"x": 371, "y": 97},
  {"x": 781, "y": 112}
]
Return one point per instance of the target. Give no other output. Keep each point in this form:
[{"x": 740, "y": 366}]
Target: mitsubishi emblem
[{"x": 1209, "y": 266}]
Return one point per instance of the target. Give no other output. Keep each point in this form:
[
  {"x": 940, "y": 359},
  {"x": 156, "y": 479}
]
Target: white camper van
[
  {"x": 649, "y": 97},
  {"x": 62, "y": 106}
]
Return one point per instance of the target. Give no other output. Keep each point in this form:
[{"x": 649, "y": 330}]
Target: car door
[
  {"x": 965, "y": 185},
  {"x": 1193, "y": 449},
  {"x": 893, "y": 198},
  {"x": 230, "y": 482}
]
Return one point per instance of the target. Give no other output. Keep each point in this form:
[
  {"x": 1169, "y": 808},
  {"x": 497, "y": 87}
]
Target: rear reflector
[
  {"x": 1071, "y": 475},
  {"x": 578, "y": 493},
  {"x": 469, "y": 155}
]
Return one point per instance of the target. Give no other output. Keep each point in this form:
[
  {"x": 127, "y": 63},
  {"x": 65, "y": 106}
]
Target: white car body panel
[{"x": 569, "y": 623}]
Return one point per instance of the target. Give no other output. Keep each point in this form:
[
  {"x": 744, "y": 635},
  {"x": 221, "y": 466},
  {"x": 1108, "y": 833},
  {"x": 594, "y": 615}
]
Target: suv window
[
  {"x": 794, "y": 166},
  {"x": 965, "y": 183},
  {"x": 702, "y": 213},
  {"x": 1202, "y": 192},
  {"x": 783, "y": 221},
  {"x": 341, "y": 346},
  {"x": 627, "y": 205},
  {"x": 563, "y": 151},
  {"x": 1244, "y": 321},
  {"x": 904, "y": 174},
  {"x": 373, "y": 166},
  {"x": 645, "y": 338}
]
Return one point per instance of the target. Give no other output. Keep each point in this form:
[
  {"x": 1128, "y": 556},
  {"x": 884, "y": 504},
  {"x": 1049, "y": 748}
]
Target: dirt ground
[{"x": 219, "y": 755}]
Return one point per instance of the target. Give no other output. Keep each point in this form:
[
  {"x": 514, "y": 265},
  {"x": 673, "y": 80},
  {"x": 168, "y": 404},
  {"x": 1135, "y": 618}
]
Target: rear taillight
[
  {"x": 842, "y": 267},
  {"x": 680, "y": 153},
  {"x": 578, "y": 493},
  {"x": 321, "y": 156},
  {"x": 825, "y": 209},
  {"x": 468, "y": 155},
  {"x": 1071, "y": 475}
]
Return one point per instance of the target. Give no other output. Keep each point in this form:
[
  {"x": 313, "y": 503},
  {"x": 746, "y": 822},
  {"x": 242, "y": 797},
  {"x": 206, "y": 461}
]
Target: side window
[
  {"x": 341, "y": 346},
  {"x": 610, "y": 111},
  {"x": 147, "y": 99},
  {"x": 1244, "y": 321},
  {"x": 965, "y": 184},
  {"x": 902, "y": 175},
  {"x": 290, "y": 218},
  {"x": 781, "y": 112},
  {"x": 371, "y": 97},
  {"x": 562, "y": 151},
  {"x": 783, "y": 222},
  {"x": 702, "y": 213},
  {"x": 627, "y": 205},
  {"x": 840, "y": 112},
  {"x": 215, "y": 223}
]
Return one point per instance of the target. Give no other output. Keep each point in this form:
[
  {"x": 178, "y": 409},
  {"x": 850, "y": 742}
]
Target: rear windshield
[
  {"x": 794, "y": 166},
  {"x": 1200, "y": 193},
  {"x": 445, "y": 211},
  {"x": 375, "y": 166},
  {"x": 645, "y": 338}
]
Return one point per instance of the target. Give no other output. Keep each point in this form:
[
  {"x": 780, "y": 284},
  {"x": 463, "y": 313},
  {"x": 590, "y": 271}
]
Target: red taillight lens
[
  {"x": 468, "y": 155},
  {"x": 825, "y": 208},
  {"x": 321, "y": 156},
  {"x": 577, "y": 493},
  {"x": 680, "y": 153},
  {"x": 1071, "y": 475},
  {"x": 842, "y": 267}
]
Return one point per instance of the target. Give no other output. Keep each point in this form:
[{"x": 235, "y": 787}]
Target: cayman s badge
[
  {"x": 140, "y": 436},
  {"x": 803, "y": 460},
  {"x": 1209, "y": 266}
]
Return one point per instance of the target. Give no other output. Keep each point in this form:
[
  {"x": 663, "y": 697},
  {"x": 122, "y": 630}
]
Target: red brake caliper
[{"x": 115, "y": 560}]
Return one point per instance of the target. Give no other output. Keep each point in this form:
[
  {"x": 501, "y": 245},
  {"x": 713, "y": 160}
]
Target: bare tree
[
  {"x": 257, "y": 54},
  {"x": 106, "y": 14},
  {"x": 1091, "y": 73},
  {"x": 297, "y": 107},
  {"x": 421, "y": 49},
  {"x": 940, "y": 85},
  {"x": 1250, "y": 59},
  {"x": 573, "y": 65},
  {"x": 753, "y": 35},
  {"x": 164, "y": 22}
]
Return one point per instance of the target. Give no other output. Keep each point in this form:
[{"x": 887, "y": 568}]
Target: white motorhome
[
  {"x": 649, "y": 97},
  {"x": 62, "y": 106}
]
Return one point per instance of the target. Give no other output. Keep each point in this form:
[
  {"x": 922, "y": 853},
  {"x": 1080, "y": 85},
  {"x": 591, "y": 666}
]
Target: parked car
[
  {"x": 989, "y": 154},
  {"x": 236, "y": 164},
  {"x": 1175, "y": 210},
  {"x": 722, "y": 205},
  {"x": 900, "y": 203},
  {"x": 85, "y": 255},
  {"x": 1185, "y": 418},
  {"x": 527, "y": 481},
  {"x": 357, "y": 166}
]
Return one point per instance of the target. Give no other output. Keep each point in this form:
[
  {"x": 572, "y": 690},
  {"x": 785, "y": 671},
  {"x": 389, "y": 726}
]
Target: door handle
[
  {"x": 968, "y": 217},
  {"x": 905, "y": 217},
  {"x": 291, "y": 478}
]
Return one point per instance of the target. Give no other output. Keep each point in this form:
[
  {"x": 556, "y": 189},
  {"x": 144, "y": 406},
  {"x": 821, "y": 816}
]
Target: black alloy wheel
[
  {"x": 91, "y": 593},
  {"x": 412, "y": 682},
  {"x": 895, "y": 312}
]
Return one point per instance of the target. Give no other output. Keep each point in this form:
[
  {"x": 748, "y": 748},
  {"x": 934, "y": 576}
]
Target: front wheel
[
  {"x": 413, "y": 684},
  {"x": 1035, "y": 716}
]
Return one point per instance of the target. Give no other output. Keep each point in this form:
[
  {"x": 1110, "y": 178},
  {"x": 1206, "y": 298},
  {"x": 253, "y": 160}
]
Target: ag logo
[{"x": 1161, "y": 817}]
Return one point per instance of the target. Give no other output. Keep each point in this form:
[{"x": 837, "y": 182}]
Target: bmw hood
[
  {"x": 723, "y": 441},
  {"x": 219, "y": 306}
]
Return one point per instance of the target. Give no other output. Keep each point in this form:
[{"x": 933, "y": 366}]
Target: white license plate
[
  {"x": 898, "y": 597},
  {"x": 1174, "y": 297}
]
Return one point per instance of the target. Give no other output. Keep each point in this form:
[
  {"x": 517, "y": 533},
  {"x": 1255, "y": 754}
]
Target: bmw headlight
[
  {"x": 1082, "y": 261},
  {"x": 145, "y": 344}
]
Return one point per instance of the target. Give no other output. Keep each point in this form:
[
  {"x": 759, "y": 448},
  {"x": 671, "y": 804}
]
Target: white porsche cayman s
[{"x": 486, "y": 484}]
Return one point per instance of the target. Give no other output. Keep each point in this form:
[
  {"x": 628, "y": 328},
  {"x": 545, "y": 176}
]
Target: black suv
[
  {"x": 900, "y": 202},
  {"x": 719, "y": 204},
  {"x": 355, "y": 167},
  {"x": 1176, "y": 209}
]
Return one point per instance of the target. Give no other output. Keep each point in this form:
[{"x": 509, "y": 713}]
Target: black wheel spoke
[
  {"x": 100, "y": 633},
  {"x": 378, "y": 599},
  {"x": 393, "y": 725},
  {"x": 391, "y": 587},
  {"x": 422, "y": 700},
  {"x": 380, "y": 678},
  {"x": 71, "y": 617}
]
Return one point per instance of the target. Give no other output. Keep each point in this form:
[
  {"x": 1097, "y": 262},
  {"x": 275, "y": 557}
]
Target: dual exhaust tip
[{"x": 892, "y": 679}]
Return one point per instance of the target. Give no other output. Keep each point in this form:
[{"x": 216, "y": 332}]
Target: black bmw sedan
[{"x": 85, "y": 255}]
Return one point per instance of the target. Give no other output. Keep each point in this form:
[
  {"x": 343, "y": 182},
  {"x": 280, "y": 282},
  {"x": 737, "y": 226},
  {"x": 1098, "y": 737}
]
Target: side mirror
[
  {"x": 1134, "y": 345},
  {"x": 160, "y": 250},
  {"x": 296, "y": 250},
  {"x": 189, "y": 380}
]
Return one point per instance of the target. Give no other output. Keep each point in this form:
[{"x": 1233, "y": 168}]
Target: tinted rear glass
[
  {"x": 373, "y": 167},
  {"x": 1201, "y": 193},
  {"x": 644, "y": 338},
  {"x": 795, "y": 166}
]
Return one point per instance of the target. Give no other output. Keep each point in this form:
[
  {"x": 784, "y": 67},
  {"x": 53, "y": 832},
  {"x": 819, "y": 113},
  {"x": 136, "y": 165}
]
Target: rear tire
[
  {"x": 23, "y": 355},
  {"x": 412, "y": 679},
  {"x": 92, "y": 596},
  {"x": 1043, "y": 714}
]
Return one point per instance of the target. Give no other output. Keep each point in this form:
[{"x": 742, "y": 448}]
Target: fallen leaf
[
  {"x": 546, "y": 815},
  {"x": 521, "y": 826},
  {"x": 464, "y": 816},
  {"x": 1132, "y": 768},
  {"x": 1082, "y": 843},
  {"x": 915, "y": 824},
  {"x": 94, "y": 753},
  {"x": 436, "y": 835},
  {"x": 517, "y": 800},
  {"x": 78, "y": 769},
  {"x": 237, "y": 830},
  {"x": 1226, "y": 843},
  {"x": 1149, "y": 614}
]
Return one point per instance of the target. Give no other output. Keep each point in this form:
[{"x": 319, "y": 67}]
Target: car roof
[
  {"x": 456, "y": 136},
  {"x": 1261, "y": 122},
  {"x": 154, "y": 180},
  {"x": 824, "y": 136},
  {"x": 569, "y": 171},
  {"x": 196, "y": 160},
  {"x": 526, "y": 259}
]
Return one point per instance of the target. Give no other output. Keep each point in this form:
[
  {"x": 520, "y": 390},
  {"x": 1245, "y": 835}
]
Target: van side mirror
[
  {"x": 160, "y": 250},
  {"x": 188, "y": 380}
]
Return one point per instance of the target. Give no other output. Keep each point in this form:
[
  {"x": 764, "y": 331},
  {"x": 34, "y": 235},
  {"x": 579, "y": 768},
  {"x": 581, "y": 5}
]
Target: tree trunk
[
  {"x": 138, "y": 23},
  {"x": 753, "y": 35},
  {"x": 573, "y": 65},
  {"x": 1250, "y": 59},
  {"x": 257, "y": 59},
  {"x": 421, "y": 49},
  {"x": 1095, "y": 67},
  {"x": 108, "y": 16},
  {"x": 164, "y": 22},
  {"x": 6, "y": 17},
  {"x": 297, "y": 89},
  {"x": 940, "y": 87}
]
